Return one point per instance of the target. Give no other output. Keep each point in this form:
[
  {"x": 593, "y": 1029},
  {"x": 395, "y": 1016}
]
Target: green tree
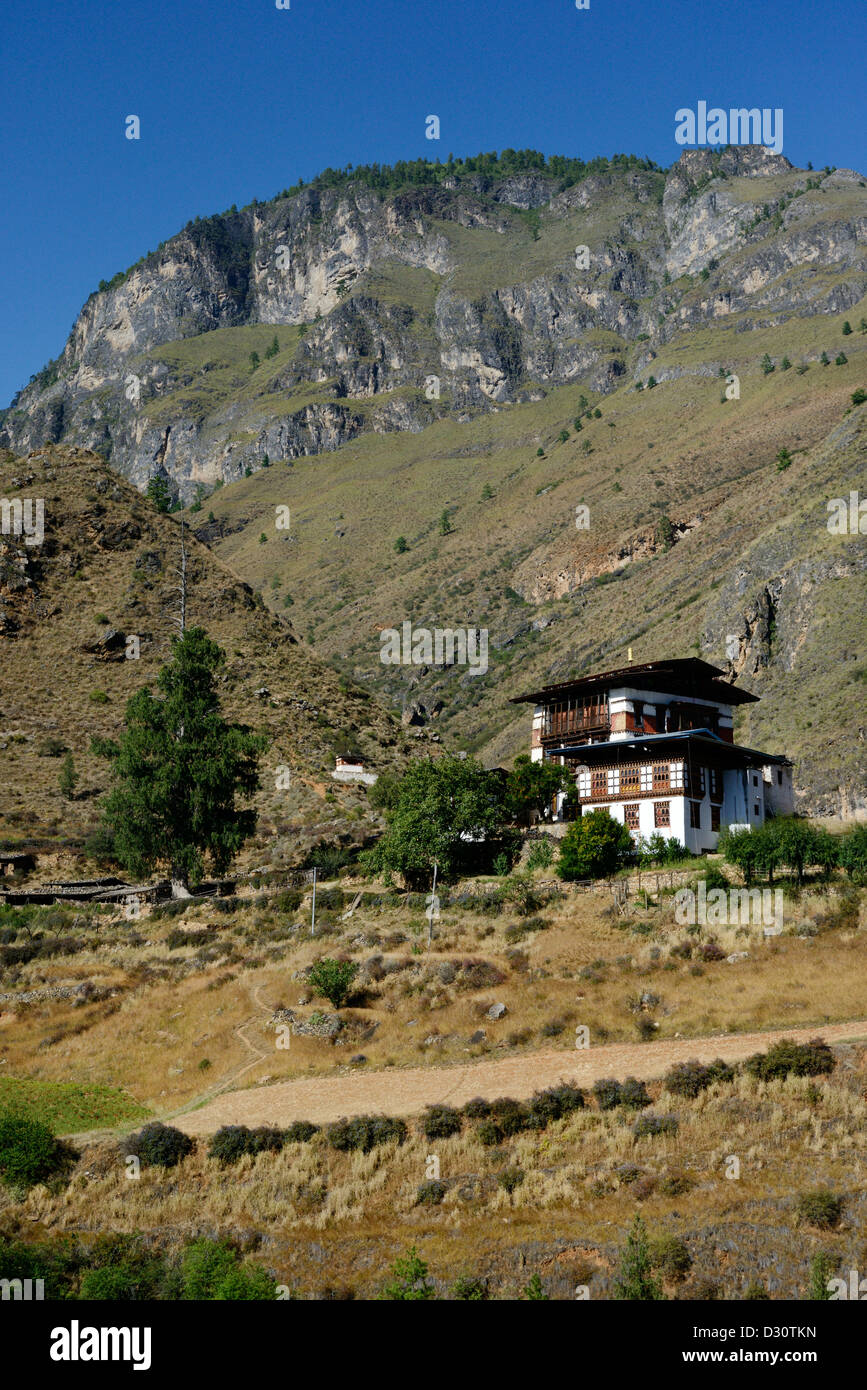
[
  {"x": 445, "y": 524},
  {"x": 739, "y": 847},
  {"x": 273, "y": 348},
  {"x": 634, "y": 1280},
  {"x": 841, "y": 359},
  {"x": 254, "y": 360},
  {"x": 401, "y": 545},
  {"x": 488, "y": 492},
  {"x": 157, "y": 491},
  {"x": 767, "y": 365},
  {"x": 68, "y": 778},
  {"x": 534, "y": 1291},
  {"x": 859, "y": 396},
  {"x": 824, "y": 359},
  {"x": 409, "y": 1280},
  {"x": 179, "y": 768},
  {"x": 785, "y": 364},
  {"x": 852, "y": 853},
  {"x": 212, "y": 1270},
  {"x": 438, "y": 800},
  {"x": 784, "y": 460},
  {"x": 847, "y": 328},
  {"x": 593, "y": 846},
  {"x": 531, "y": 786},
  {"x": 333, "y": 980}
]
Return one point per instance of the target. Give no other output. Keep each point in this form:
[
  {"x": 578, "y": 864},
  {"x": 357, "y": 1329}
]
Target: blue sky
[{"x": 238, "y": 99}]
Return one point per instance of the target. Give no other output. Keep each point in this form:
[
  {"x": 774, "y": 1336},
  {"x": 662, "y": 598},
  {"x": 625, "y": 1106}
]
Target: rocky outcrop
[{"x": 370, "y": 359}]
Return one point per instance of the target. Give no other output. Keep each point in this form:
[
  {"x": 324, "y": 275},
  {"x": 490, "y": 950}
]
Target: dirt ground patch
[{"x": 408, "y": 1091}]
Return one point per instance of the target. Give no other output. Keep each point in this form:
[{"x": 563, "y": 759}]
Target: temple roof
[{"x": 680, "y": 676}]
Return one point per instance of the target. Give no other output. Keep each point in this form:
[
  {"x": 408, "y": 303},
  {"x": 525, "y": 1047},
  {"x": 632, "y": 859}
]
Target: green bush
[
  {"x": 300, "y": 1132},
  {"x": 441, "y": 1122},
  {"x": 365, "y": 1132},
  {"x": 29, "y": 1152},
  {"x": 593, "y": 847},
  {"x": 409, "y": 1280},
  {"x": 212, "y": 1270},
  {"x": 689, "y": 1079},
  {"x": 468, "y": 1290},
  {"x": 333, "y": 980},
  {"x": 634, "y": 1280},
  {"x": 784, "y": 1058},
  {"x": 606, "y": 1092},
  {"x": 669, "y": 1255},
  {"x": 159, "y": 1145},
  {"x": 430, "y": 1194},
  {"x": 820, "y": 1208},
  {"x": 477, "y": 1109},
  {"x": 489, "y": 1133},
  {"x": 510, "y": 1115},
  {"x": 510, "y": 1179},
  {"x": 649, "y": 1125},
  {"x": 554, "y": 1103}
]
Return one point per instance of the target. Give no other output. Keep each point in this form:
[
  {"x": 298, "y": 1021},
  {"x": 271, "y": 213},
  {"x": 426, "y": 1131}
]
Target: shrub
[
  {"x": 675, "y": 1184},
  {"x": 534, "y": 1291},
  {"x": 229, "y": 1144},
  {"x": 468, "y": 1290},
  {"x": 710, "y": 951},
  {"x": 859, "y": 396},
  {"x": 820, "y": 1208},
  {"x": 669, "y": 1255},
  {"x": 441, "y": 1122},
  {"x": 510, "y": 1179},
  {"x": 477, "y": 1109},
  {"x": 365, "y": 1132},
  {"x": 813, "y": 1058},
  {"x": 212, "y": 1270},
  {"x": 489, "y": 1133},
  {"x": 300, "y": 1132},
  {"x": 607, "y": 1093},
  {"x": 554, "y": 1103},
  {"x": 821, "y": 1272},
  {"x": 841, "y": 359},
  {"x": 755, "y": 1292},
  {"x": 333, "y": 980},
  {"x": 593, "y": 846},
  {"x": 648, "y": 1125},
  {"x": 633, "y": 1094},
  {"x": 159, "y": 1145},
  {"x": 430, "y": 1194},
  {"x": 688, "y": 1079},
  {"x": 510, "y": 1115},
  {"x": 541, "y": 854},
  {"x": 409, "y": 1281},
  {"x": 29, "y": 1152}
]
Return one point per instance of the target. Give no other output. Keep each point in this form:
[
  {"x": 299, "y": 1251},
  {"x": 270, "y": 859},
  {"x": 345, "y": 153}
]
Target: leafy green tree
[
  {"x": 824, "y": 359},
  {"x": 852, "y": 853},
  {"x": 179, "y": 768},
  {"x": 635, "y": 1279},
  {"x": 333, "y": 980},
  {"x": 859, "y": 396},
  {"x": 841, "y": 359},
  {"x": 445, "y": 524},
  {"x": 29, "y": 1152},
  {"x": 767, "y": 365},
  {"x": 212, "y": 1270},
  {"x": 785, "y": 364},
  {"x": 409, "y": 1280},
  {"x": 593, "y": 846},
  {"x": 68, "y": 778},
  {"x": 254, "y": 360},
  {"x": 488, "y": 491},
  {"x": 531, "y": 786},
  {"x": 157, "y": 491},
  {"x": 739, "y": 847},
  {"x": 273, "y": 348},
  {"x": 784, "y": 460},
  {"x": 438, "y": 801},
  {"x": 401, "y": 545},
  {"x": 534, "y": 1291},
  {"x": 847, "y": 328}
]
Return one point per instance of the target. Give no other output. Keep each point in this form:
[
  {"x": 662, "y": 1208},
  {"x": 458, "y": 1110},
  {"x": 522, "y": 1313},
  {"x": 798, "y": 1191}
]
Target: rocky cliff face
[{"x": 411, "y": 305}]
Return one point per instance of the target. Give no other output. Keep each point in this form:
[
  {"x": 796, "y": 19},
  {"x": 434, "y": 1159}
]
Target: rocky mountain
[
  {"x": 451, "y": 297},
  {"x": 581, "y": 408}
]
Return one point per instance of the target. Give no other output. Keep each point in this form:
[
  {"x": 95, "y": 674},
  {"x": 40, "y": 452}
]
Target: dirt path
[{"x": 407, "y": 1092}]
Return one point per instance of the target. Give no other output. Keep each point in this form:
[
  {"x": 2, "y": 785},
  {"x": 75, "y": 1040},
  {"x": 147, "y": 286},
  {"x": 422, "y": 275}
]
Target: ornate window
[
  {"x": 630, "y": 815},
  {"x": 662, "y": 815}
]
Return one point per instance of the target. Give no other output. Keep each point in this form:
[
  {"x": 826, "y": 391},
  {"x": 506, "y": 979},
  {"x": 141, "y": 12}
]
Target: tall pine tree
[{"x": 179, "y": 767}]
